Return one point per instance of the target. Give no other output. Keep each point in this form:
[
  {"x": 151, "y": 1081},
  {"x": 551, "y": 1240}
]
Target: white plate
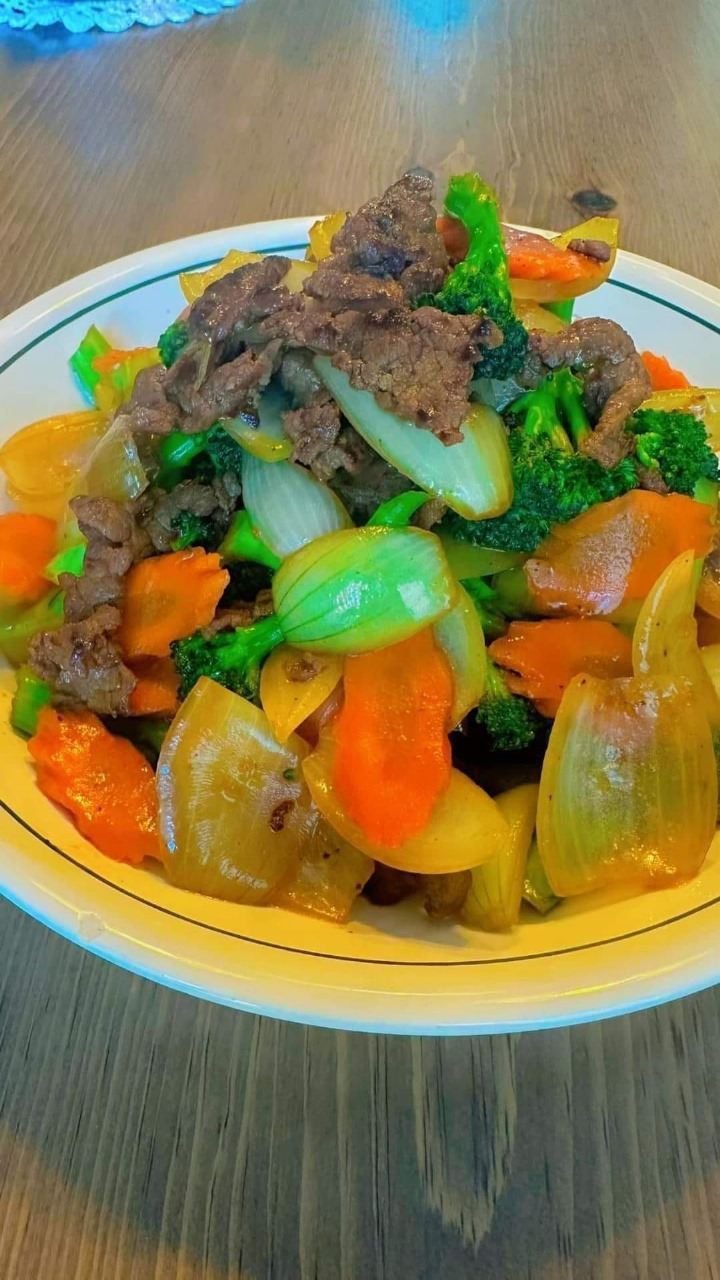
[{"x": 388, "y": 970}]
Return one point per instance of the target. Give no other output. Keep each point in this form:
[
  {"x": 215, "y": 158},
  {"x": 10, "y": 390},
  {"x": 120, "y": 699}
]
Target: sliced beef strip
[
  {"x": 81, "y": 659},
  {"x": 238, "y": 301},
  {"x": 598, "y": 250},
  {"x": 417, "y": 363},
  {"x": 341, "y": 290},
  {"x": 444, "y": 895},
  {"x": 155, "y": 511},
  {"x": 241, "y": 615},
  {"x": 230, "y": 389},
  {"x": 395, "y": 235},
  {"x": 322, "y": 440},
  {"x": 616, "y": 380},
  {"x": 149, "y": 410},
  {"x": 386, "y": 886},
  {"x": 370, "y": 482}
]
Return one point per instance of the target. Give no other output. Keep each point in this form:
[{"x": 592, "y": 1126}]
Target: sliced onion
[
  {"x": 473, "y": 477},
  {"x": 265, "y": 436},
  {"x": 362, "y": 589},
  {"x": 628, "y": 793},
  {"x": 495, "y": 893},
  {"x": 293, "y": 685},
  {"x": 288, "y": 505},
  {"x": 468, "y": 561},
  {"x": 460, "y": 636},
  {"x": 665, "y": 637},
  {"x": 328, "y": 877},
  {"x": 114, "y": 469}
]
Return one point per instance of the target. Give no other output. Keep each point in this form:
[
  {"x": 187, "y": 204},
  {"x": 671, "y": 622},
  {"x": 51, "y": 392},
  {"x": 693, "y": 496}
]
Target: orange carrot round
[
  {"x": 27, "y": 543},
  {"x": 392, "y": 761},
  {"x": 662, "y": 375},
  {"x": 156, "y": 690},
  {"x": 167, "y": 598},
  {"x": 455, "y": 237},
  {"x": 104, "y": 781},
  {"x": 543, "y": 657},
  {"x": 532, "y": 257}
]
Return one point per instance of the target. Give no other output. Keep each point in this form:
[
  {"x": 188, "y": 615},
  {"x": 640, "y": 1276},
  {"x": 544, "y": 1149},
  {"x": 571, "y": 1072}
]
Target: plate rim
[{"x": 130, "y": 272}]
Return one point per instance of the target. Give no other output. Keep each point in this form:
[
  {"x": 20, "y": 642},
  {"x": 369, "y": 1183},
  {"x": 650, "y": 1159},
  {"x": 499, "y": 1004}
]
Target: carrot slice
[
  {"x": 543, "y": 657},
  {"x": 605, "y": 561},
  {"x": 104, "y": 781},
  {"x": 532, "y": 257},
  {"x": 156, "y": 691},
  {"x": 27, "y": 543},
  {"x": 662, "y": 375},
  {"x": 455, "y": 236},
  {"x": 167, "y": 598},
  {"x": 392, "y": 761}
]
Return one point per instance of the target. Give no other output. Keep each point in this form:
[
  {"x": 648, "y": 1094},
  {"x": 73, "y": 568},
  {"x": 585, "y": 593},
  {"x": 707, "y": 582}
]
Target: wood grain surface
[{"x": 145, "y": 1135}]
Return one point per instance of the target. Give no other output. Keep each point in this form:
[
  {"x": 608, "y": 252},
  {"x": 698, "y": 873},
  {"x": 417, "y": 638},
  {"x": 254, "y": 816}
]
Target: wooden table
[{"x": 144, "y": 1134}]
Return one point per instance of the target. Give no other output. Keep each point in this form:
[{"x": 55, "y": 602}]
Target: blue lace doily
[{"x": 109, "y": 15}]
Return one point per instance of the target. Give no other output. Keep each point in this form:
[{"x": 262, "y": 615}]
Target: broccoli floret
[
  {"x": 172, "y": 342},
  {"x": 552, "y": 483},
  {"x": 202, "y": 455},
  {"x": 194, "y": 531},
  {"x": 510, "y": 721},
  {"x": 221, "y": 456},
  {"x": 494, "y": 621},
  {"x": 676, "y": 445},
  {"x": 481, "y": 281},
  {"x": 232, "y": 658}
]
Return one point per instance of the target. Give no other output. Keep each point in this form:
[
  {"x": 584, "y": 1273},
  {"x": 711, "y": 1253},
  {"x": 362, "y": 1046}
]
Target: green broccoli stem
[
  {"x": 540, "y": 417},
  {"x": 494, "y": 621},
  {"x": 31, "y": 695},
  {"x": 175, "y": 453},
  {"x": 397, "y": 512},
  {"x": 512, "y": 593},
  {"x": 569, "y": 392},
  {"x": 474, "y": 203},
  {"x": 563, "y": 310},
  {"x": 243, "y": 542},
  {"x": 706, "y": 491},
  {"x": 70, "y": 560}
]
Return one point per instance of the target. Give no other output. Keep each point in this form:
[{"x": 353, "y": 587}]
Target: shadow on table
[{"x": 231, "y": 1145}]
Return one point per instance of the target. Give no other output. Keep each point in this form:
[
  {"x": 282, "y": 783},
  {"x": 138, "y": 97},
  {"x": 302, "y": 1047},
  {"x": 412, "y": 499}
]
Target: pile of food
[{"x": 380, "y": 575}]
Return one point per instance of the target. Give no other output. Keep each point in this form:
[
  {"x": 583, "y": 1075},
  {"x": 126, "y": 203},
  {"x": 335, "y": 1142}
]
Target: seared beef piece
[
  {"x": 596, "y": 249},
  {"x": 444, "y": 895},
  {"x": 321, "y": 440},
  {"x": 429, "y": 514},
  {"x": 386, "y": 886},
  {"x": 650, "y": 478},
  {"x": 616, "y": 380},
  {"x": 371, "y": 481},
  {"x": 418, "y": 363},
  {"x": 395, "y": 235},
  {"x": 81, "y": 659},
  {"x": 241, "y": 615},
  {"x": 155, "y": 510},
  {"x": 149, "y": 409},
  {"x": 237, "y": 302},
  {"x": 341, "y": 290},
  {"x": 230, "y": 389}
]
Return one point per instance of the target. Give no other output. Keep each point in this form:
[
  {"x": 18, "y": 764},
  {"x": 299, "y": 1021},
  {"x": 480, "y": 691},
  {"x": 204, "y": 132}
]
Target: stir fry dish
[{"x": 381, "y": 575}]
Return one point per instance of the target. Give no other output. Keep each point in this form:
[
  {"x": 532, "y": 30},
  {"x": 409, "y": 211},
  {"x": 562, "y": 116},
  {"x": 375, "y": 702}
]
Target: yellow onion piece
[
  {"x": 665, "y": 637},
  {"x": 114, "y": 469},
  {"x": 41, "y": 461},
  {"x": 535, "y": 316},
  {"x": 702, "y": 402},
  {"x": 495, "y": 893},
  {"x": 549, "y": 290},
  {"x": 235, "y": 813},
  {"x": 294, "y": 684},
  {"x": 628, "y": 793},
  {"x": 465, "y": 829},
  {"x": 194, "y": 283},
  {"x": 460, "y": 636},
  {"x": 321, "y": 234},
  {"x": 297, "y": 274},
  {"x": 710, "y": 655},
  {"x": 328, "y": 877},
  {"x": 708, "y": 593}
]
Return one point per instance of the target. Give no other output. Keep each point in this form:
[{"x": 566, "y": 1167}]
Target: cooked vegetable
[
  {"x": 486, "y": 603},
  {"x": 263, "y": 435},
  {"x": 113, "y": 469},
  {"x": 31, "y": 695},
  {"x": 480, "y": 281},
  {"x": 536, "y": 888},
  {"x": 465, "y": 825},
  {"x": 243, "y": 542},
  {"x": 294, "y": 684},
  {"x": 235, "y": 813},
  {"x": 702, "y": 402},
  {"x": 629, "y": 786},
  {"x": 69, "y": 560},
  {"x": 172, "y": 342},
  {"x": 541, "y": 658},
  {"x": 676, "y": 446},
  {"x": 545, "y": 318},
  {"x": 322, "y": 233},
  {"x": 167, "y": 598},
  {"x": 493, "y": 900},
  {"x": 82, "y": 362},
  {"x": 288, "y": 506},
  {"x": 460, "y": 637},
  {"x": 548, "y": 271},
  {"x": 230, "y": 658},
  {"x": 662, "y": 375},
  {"x": 203, "y": 455},
  {"x": 17, "y": 627},
  {"x": 467, "y": 560},
  {"x": 552, "y": 483},
  {"x": 117, "y": 371},
  {"x": 156, "y": 691},
  {"x": 398, "y": 511},
  {"x": 472, "y": 477},
  {"x": 42, "y": 461},
  {"x": 606, "y": 561},
  {"x": 359, "y": 589},
  {"x": 105, "y": 783},
  {"x": 26, "y": 544},
  {"x": 392, "y": 758},
  {"x": 328, "y": 878},
  {"x": 193, "y": 531},
  {"x": 511, "y": 722}
]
